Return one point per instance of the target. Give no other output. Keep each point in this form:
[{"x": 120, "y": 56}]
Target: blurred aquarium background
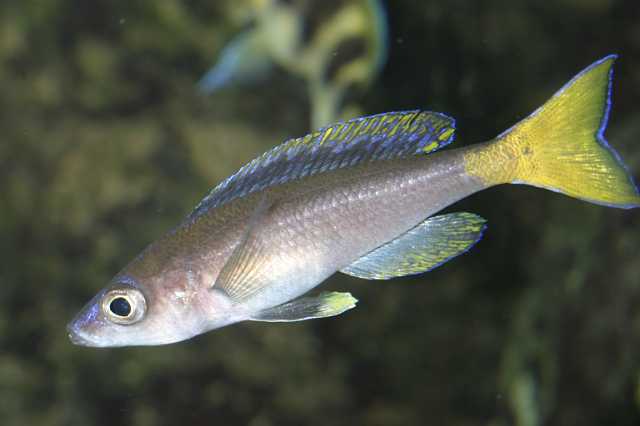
[{"x": 106, "y": 143}]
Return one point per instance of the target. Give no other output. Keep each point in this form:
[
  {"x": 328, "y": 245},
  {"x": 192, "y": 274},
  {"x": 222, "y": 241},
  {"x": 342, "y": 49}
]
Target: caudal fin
[{"x": 561, "y": 146}]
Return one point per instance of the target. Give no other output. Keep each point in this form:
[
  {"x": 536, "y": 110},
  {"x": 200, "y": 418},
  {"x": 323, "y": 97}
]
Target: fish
[
  {"x": 337, "y": 47},
  {"x": 361, "y": 197}
]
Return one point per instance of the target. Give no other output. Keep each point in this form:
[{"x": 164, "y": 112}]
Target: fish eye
[
  {"x": 120, "y": 306},
  {"x": 124, "y": 305}
]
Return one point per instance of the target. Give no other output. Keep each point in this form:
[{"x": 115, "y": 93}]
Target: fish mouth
[{"x": 77, "y": 337}]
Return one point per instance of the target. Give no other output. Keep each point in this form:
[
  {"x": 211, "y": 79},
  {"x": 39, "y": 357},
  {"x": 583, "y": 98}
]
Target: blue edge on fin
[
  {"x": 482, "y": 231},
  {"x": 224, "y": 191},
  {"x": 603, "y": 123}
]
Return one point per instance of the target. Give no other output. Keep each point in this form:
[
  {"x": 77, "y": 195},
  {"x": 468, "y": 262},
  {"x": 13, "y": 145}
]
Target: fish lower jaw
[{"x": 78, "y": 339}]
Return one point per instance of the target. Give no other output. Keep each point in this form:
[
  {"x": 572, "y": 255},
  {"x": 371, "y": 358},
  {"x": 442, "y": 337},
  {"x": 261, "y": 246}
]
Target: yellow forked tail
[{"x": 561, "y": 145}]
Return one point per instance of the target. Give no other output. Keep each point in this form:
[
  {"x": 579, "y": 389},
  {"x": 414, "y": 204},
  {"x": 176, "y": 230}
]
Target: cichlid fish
[
  {"x": 357, "y": 197},
  {"x": 335, "y": 46}
]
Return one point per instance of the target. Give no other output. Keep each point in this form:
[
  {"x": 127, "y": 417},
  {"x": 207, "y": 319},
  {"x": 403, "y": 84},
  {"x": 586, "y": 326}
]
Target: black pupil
[{"x": 120, "y": 306}]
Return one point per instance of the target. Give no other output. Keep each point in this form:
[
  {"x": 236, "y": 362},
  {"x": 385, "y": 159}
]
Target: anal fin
[
  {"x": 321, "y": 306},
  {"x": 423, "y": 248}
]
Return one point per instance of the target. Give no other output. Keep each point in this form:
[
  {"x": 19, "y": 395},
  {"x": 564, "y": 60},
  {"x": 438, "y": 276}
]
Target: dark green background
[{"x": 105, "y": 145}]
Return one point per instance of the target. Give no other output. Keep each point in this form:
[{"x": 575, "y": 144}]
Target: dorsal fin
[{"x": 365, "y": 139}]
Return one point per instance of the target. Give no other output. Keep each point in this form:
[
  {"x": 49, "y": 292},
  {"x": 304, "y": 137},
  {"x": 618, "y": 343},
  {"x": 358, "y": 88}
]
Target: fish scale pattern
[{"x": 366, "y": 139}]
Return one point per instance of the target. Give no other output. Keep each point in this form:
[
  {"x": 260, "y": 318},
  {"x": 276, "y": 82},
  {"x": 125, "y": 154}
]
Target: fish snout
[{"x": 77, "y": 337}]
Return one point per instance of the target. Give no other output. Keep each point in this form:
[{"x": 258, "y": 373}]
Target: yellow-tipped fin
[
  {"x": 306, "y": 308},
  {"x": 561, "y": 146}
]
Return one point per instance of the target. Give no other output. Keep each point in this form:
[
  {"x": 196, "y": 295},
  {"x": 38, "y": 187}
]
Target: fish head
[{"x": 155, "y": 311}]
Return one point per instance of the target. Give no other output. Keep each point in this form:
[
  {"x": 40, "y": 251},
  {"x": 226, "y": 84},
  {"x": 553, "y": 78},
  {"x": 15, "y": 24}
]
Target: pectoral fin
[
  {"x": 243, "y": 274},
  {"x": 427, "y": 246},
  {"x": 305, "y": 308}
]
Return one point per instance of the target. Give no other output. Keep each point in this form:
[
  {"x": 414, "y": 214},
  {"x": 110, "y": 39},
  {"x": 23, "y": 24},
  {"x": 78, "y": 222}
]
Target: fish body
[
  {"x": 311, "y": 219},
  {"x": 335, "y": 46},
  {"x": 358, "y": 197}
]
